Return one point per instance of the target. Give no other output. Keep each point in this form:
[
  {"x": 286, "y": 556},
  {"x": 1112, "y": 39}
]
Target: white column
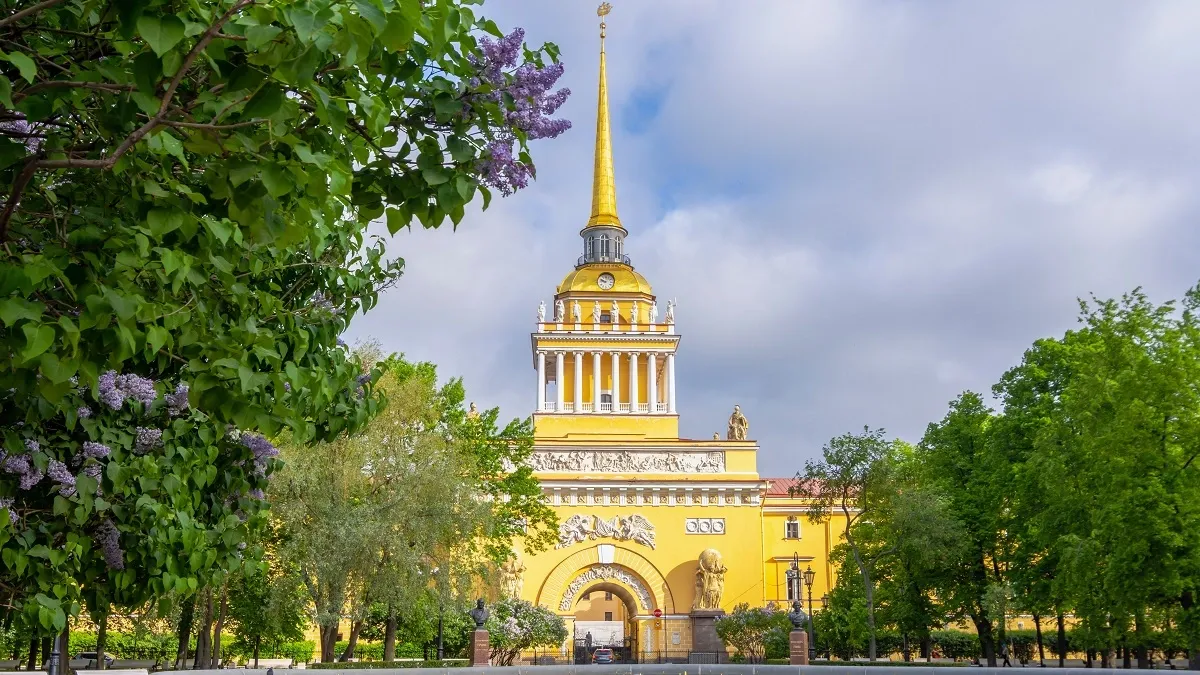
[
  {"x": 541, "y": 367},
  {"x": 633, "y": 382},
  {"x": 595, "y": 382},
  {"x": 558, "y": 381},
  {"x": 616, "y": 382},
  {"x": 578, "y": 381},
  {"x": 670, "y": 383},
  {"x": 652, "y": 381}
]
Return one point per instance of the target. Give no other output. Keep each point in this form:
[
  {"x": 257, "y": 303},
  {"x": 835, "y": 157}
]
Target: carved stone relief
[
  {"x": 602, "y": 572},
  {"x": 629, "y": 462},
  {"x": 579, "y": 527},
  {"x": 705, "y": 526}
]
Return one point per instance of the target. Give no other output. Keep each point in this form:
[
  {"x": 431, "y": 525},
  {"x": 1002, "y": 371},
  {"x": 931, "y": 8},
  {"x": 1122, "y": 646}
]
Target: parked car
[{"x": 602, "y": 655}]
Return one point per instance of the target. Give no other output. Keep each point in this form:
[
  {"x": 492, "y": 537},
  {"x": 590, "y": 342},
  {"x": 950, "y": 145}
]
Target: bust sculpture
[
  {"x": 716, "y": 436},
  {"x": 739, "y": 426},
  {"x": 797, "y": 616},
  {"x": 479, "y": 614},
  {"x": 473, "y": 413},
  {"x": 559, "y": 311},
  {"x": 542, "y": 312},
  {"x": 596, "y": 312}
]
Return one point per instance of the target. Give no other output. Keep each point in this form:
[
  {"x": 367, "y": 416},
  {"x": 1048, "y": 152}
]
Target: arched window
[
  {"x": 588, "y": 247},
  {"x": 604, "y": 250}
]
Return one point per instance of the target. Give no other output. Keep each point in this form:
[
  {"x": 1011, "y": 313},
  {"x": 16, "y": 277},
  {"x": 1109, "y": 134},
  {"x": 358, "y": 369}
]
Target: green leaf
[
  {"x": 6, "y": 93},
  {"x": 435, "y": 175},
  {"x": 257, "y": 36},
  {"x": 396, "y": 220},
  {"x": 372, "y": 13},
  {"x": 14, "y": 308},
  {"x": 24, "y": 64},
  {"x": 461, "y": 150},
  {"x": 220, "y": 229},
  {"x": 162, "y": 221},
  {"x": 55, "y": 370},
  {"x": 38, "y": 339},
  {"x": 398, "y": 34},
  {"x": 161, "y": 33},
  {"x": 277, "y": 180},
  {"x": 264, "y": 104}
]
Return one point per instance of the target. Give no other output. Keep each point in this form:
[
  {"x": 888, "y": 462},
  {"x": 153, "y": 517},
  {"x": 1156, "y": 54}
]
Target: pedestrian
[{"x": 1004, "y": 653}]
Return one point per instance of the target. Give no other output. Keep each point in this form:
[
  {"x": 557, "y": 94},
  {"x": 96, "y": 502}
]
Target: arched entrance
[
  {"x": 638, "y": 589},
  {"x": 605, "y": 617}
]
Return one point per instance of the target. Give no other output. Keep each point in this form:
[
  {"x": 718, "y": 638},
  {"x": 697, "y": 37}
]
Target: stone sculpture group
[
  {"x": 710, "y": 580},
  {"x": 579, "y": 528}
]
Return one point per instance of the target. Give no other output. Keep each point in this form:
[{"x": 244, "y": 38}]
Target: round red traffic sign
[{"x": 658, "y": 613}]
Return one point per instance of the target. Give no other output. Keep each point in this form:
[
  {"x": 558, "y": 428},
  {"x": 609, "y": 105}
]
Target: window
[
  {"x": 605, "y": 317},
  {"x": 604, "y": 250},
  {"x": 606, "y": 398},
  {"x": 607, "y": 595},
  {"x": 791, "y": 529},
  {"x": 588, "y": 247},
  {"x": 608, "y": 616},
  {"x": 791, "y": 590}
]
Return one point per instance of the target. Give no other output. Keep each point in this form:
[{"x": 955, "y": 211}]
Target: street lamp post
[
  {"x": 809, "y": 576},
  {"x": 825, "y": 606}
]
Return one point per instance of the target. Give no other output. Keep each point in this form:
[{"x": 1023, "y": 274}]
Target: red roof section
[{"x": 781, "y": 487}]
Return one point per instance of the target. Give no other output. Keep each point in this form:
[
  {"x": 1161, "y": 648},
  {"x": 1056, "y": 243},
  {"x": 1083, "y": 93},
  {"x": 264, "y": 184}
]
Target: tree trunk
[
  {"x": 215, "y": 662},
  {"x": 352, "y": 643},
  {"x": 389, "y": 636},
  {"x": 1062, "y": 642},
  {"x": 1037, "y": 624},
  {"x": 904, "y": 648},
  {"x": 47, "y": 647},
  {"x": 33, "y": 654},
  {"x": 328, "y": 643},
  {"x": 927, "y": 648},
  {"x": 987, "y": 641},
  {"x": 1125, "y": 656},
  {"x": 204, "y": 631},
  {"x": 64, "y": 648},
  {"x": 101, "y": 639},
  {"x": 257, "y": 643},
  {"x": 184, "y": 632},
  {"x": 1139, "y": 628},
  {"x": 1104, "y": 657}
]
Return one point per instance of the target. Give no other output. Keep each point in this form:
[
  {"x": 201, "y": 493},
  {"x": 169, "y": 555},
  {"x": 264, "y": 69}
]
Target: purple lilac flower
[
  {"x": 94, "y": 450},
  {"x": 324, "y": 305},
  {"x": 110, "y": 395},
  {"x": 18, "y": 464},
  {"x": 177, "y": 402},
  {"x": 59, "y": 473},
  {"x": 83, "y": 412},
  {"x": 32, "y": 445},
  {"x": 499, "y": 170},
  {"x": 30, "y": 478},
  {"x": 109, "y": 540},
  {"x": 261, "y": 448},
  {"x": 137, "y": 388},
  {"x": 256, "y": 493},
  {"x": 7, "y": 503},
  {"x": 147, "y": 440},
  {"x": 287, "y": 386}
]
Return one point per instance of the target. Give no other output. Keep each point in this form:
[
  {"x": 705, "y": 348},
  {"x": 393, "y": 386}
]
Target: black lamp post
[
  {"x": 825, "y": 606},
  {"x": 809, "y": 576}
]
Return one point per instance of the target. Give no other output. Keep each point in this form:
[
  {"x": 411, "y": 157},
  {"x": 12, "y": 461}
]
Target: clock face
[{"x": 606, "y": 281}]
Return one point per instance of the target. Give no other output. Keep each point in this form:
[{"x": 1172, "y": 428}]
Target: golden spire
[{"x": 604, "y": 186}]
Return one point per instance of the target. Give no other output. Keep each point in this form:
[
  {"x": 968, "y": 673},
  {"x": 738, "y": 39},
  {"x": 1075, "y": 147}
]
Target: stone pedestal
[
  {"x": 480, "y": 648},
  {"x": 798, "y": 647},
  {"x": 704, "y": 633}
]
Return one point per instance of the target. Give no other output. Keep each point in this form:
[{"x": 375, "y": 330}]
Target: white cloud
[{"x": 863, "y": 207}]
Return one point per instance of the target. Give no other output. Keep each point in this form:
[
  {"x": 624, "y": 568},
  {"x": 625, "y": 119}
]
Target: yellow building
[{"x": 638, "y": 505}]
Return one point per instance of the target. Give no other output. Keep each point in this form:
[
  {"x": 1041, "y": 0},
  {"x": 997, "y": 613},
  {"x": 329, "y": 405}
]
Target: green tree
[
  {"x": 958, "y": 463},
  {"x": 184, "y": 237},
  {"x": 267, "y": 605},
  {"x": 750, "y": 629},
  {"x": 385, "y": 514},
  {"x": 855, "y": 477},
  {"x": 515, "y": 625}
]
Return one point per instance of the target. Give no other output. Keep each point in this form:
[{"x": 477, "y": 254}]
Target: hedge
[{"x": 354, "y": 665}]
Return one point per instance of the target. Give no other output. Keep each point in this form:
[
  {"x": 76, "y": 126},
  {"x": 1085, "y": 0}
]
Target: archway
[{"x": 604, "y": 616}]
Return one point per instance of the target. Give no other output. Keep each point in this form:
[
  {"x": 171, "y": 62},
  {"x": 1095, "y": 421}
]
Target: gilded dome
[{"x": 585, "y": 279}]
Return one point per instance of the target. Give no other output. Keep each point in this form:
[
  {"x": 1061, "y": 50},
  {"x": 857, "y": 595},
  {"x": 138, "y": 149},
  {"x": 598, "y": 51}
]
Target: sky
[{"x": 863, "y": 208}]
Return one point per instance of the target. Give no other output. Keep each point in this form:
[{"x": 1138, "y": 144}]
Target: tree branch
[{"x": 28, "y": 11}]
